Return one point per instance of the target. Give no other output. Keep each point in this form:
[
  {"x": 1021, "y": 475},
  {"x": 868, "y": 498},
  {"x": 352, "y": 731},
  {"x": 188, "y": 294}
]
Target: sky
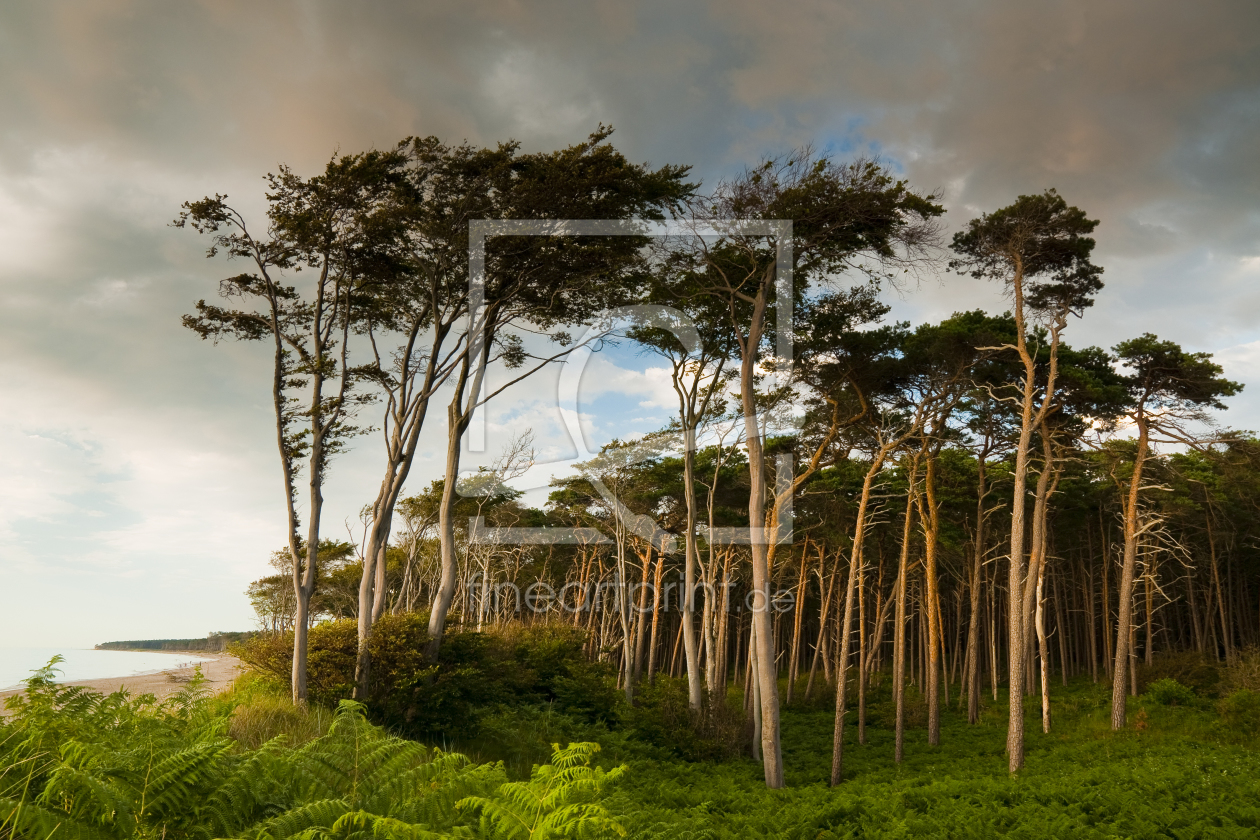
[{"x": 141, "y": 492}]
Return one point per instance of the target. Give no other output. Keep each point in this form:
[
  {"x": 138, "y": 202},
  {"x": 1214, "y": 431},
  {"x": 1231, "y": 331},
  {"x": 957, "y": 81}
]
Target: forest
[{"x": 959, "y": 578}]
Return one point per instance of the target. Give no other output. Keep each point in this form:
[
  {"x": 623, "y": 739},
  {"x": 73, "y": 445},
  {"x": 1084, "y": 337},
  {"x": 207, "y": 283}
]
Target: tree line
[{"x": 960, "y": 503}]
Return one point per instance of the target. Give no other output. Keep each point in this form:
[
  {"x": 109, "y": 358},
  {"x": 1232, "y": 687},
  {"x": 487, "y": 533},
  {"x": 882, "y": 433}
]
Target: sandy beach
[{"x": 219, "y": 673}]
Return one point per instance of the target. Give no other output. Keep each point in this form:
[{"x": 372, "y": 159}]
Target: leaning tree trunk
[
  {"x": 794, "y": 656},
  {"x": 842, "y": 661},
  {"x": 458, "y": 416},
  {"x": 445, "y": 595}
]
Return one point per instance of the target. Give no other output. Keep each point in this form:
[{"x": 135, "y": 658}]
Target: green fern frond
[
  {"x": 361, "y": 824},
  {"x": 320, "y": 814},
  {"x": 557, "y": 801},
  {"x": 26, "y": 819},
  {"x": 84, "y": 798}
]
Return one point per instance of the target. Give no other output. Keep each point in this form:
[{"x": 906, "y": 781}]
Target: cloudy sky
[{"x": 140, "y": 491}]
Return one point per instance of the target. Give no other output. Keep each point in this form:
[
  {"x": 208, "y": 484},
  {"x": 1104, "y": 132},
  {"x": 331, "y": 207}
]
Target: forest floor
[{"x": 1176, "y": 772}]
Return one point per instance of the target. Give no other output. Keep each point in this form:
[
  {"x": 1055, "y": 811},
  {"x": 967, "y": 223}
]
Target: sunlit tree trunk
[
  {"x": 1124, "y": 623},
  {"x": 899, "y": 628}
]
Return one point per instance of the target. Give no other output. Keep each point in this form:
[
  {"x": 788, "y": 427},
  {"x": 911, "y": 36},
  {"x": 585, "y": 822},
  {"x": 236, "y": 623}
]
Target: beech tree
[{"x": 419, "y": 312}]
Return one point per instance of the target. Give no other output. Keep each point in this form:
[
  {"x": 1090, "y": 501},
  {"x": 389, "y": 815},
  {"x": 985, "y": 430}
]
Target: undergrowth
[
  {"x": 248, "y": 764},
  {"x": 78, "y": 764}
]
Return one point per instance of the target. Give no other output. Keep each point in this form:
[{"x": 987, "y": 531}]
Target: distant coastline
[{"x": 213, "y": 643}]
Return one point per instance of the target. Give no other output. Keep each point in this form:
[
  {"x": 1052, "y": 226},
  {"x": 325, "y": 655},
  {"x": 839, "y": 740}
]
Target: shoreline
[{"x": 220, "y": 670}]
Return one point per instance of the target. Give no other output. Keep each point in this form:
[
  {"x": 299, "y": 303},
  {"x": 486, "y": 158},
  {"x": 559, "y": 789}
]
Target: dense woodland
[{"x": 965, "y": 508}]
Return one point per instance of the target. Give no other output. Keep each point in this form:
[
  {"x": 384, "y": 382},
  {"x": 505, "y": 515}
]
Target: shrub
[
  {"x": 259, "y": 715},
  {"x": 1189, "y": 668},
  {"x": 476, "y": 673},
  {"x": 663, "y": 719},
  {"x": 1240, "y": 711},
  {"x": 1243, "y": 671},
  {"x": 1169, "y": 692}
]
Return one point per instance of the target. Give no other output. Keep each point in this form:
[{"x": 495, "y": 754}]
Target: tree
[
  {"x": 442, "y": 190},
  {"x": 1040, "y": 250},
  {"x": 334, "y": 227},
  {"x": 1168, "y": 389},
  {"x": 543, "y": 282},
  {"x": 699, "y": 376},
  {"x": 843, "y": 217}
]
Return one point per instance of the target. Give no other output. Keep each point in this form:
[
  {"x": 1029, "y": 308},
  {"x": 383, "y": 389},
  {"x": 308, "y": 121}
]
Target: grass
[{"x": 261, "y": 712}]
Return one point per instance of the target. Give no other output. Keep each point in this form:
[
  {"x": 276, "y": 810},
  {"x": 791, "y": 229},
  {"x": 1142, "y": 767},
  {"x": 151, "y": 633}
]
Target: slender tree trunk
[
  {"x": 1041, "y": 646},
  {"x": 794, "y": 655},
  {"x": 656, "y": 614},
  {"x": 641, "y": 607},
  {"x": 824, "y": 607},
  {"x": 766, "y": 682},
  {"x": 1149, "y": 613},
  {"x": 691, "y": 558},
  {"x": 1124, "y": 623},
  {"x": 842, "y": 661},
  {"x": 1108, "y": 654},
  {"x": 458, "y": 417},
  {"x": 899, "y": 630},
  {"x": 1226, "y": 635},
  {"x": 862, "y": 654},
  {"x": 930, "y": 516}
]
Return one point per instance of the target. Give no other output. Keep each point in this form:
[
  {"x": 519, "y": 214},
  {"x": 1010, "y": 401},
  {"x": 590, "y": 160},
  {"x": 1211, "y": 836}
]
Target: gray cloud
[{"x": 112, "y": 112}]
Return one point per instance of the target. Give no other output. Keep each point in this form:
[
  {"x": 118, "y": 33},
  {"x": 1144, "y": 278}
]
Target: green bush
[
  {"x": 1169, "y": 692},
  {"x": 662, "y": 718},
  {"x": 475, "y": 674},
  {"x": 1240, "y": 711},
  {"x": 1189, "y": 668}
]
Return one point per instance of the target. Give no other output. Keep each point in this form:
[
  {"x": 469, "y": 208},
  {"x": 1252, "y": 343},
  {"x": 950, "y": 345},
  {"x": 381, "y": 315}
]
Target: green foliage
[
  {"x": 1188, "y": 668},
  {"x": 1240, "y": 711},
  {"x": 79, "y": 764},
  {"x": 476, "y": 674},
  {"x": 1080, "y": 781},
  {"x": 260, "y": 712},
  {"x": 1169, "y": 692},
  {"x": 662, "y": 718},
  {"x": 559, "y": 800}
]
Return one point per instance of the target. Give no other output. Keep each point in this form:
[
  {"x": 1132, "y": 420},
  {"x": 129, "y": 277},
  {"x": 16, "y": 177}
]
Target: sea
[{"x": 16, "y": 664}]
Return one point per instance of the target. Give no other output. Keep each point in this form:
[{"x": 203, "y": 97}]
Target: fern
[
  {"x": 77, "y": 764},
  {"x": 557, "y": 801}
]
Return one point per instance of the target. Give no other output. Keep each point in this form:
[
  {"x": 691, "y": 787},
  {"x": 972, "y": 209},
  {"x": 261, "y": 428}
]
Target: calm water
[{"x": 16, "y": 664}]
